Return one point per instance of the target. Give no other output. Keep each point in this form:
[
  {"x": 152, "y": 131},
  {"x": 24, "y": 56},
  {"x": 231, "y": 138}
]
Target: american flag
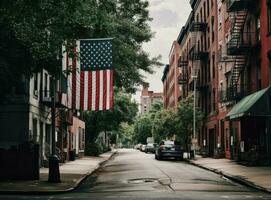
[{"x": 91, "y": 81}]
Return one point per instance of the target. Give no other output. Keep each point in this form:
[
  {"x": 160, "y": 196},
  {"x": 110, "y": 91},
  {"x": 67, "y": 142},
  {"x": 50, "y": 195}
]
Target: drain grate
[{"x": 142, "y": 180}]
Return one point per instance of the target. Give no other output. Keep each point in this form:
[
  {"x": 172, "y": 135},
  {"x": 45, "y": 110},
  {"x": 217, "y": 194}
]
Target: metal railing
[
  {"x": 232, "y": 94},
  {"x": 236, "y": 5}
]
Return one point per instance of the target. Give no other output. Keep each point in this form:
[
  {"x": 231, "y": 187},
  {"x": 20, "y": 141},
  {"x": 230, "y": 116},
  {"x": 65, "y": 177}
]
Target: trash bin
[{"x": 72, "y": 155}]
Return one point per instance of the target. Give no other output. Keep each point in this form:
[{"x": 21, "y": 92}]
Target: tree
[
  {"x": 164, "y": 124},
  {"x": 184, "y": 120},
  {"x": 32, "y": 33},
  {"x": 142, "y": 129},
  {"x": 125, "y": 110},
  {"x": 125, "y": 134}
]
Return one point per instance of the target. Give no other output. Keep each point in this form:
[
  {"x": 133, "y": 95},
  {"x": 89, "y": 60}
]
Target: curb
[
  {"x": 75, "y": 186},
  {"x": 231, "y": 177}
]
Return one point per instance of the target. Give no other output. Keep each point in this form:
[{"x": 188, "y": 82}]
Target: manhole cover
[{"x": 142, "y": 180}]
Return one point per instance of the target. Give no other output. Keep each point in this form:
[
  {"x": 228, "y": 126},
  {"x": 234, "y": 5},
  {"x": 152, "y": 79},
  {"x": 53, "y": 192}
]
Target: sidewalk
[
  {"x": 71, "y": 173},
  {"x": 257, "y": 177}
]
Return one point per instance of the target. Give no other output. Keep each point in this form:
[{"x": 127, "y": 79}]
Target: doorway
[{"x": 211, "y": 142}]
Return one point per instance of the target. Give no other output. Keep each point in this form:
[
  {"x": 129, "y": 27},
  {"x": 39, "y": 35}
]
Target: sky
[{"x": 168, "y": 18}]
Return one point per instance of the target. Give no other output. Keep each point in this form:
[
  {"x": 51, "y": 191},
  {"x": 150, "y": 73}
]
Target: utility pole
[
  {"x": 194, "y": 117},
  {"x": 54, "y": 174}
]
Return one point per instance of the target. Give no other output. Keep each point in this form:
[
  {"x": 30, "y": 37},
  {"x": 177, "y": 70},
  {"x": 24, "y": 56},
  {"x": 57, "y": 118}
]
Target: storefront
[{"x": 250, "y": 129}]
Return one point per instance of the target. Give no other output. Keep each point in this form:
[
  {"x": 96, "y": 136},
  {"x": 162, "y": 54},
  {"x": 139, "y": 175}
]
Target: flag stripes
[{"x": 88, "y": 89}]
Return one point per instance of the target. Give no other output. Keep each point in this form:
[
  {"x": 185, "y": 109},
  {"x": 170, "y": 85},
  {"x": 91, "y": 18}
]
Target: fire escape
[
  {"x": 183, "y": 77},
  {"x": 238, "y": 47},
  {"x": 198, "y": 53}
]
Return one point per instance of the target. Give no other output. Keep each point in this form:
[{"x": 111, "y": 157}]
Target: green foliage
[
  {"x": 184, "y": 119},
  {"x": 32, "y": 33},
  {"x": 164, "y": 124},
  {"x": 142, "y": 129},
  {"x": 158, "y": 121},
  {"x": 155, "y": 107},
  {"x": 124, "y": 110},
  {"x": 168, "y": 123},
  {"x": 126, "y": 133},
  {"x": 93, "y": 149}
]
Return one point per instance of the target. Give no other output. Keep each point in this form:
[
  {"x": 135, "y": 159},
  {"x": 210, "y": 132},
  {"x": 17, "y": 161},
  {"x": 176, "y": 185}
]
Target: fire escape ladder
[
  {"x": 237, "y": 29},
  {"x": 235, "y": 49},
  {"x": 238, "y": 66}
]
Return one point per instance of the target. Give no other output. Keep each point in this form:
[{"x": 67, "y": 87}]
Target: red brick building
[
  {"x": 244, "y": 69},
  {"x": 227, "y": 44},
  {"x": 171, "y": 88},
  {"x": 198, "y": 44},
  {"x": 148, "y": 97}
]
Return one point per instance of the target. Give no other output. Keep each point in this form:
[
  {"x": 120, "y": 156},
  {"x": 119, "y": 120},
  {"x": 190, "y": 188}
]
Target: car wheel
[
  {"x": 159, "y": 157},
  {"x": 179, "y": 158}
]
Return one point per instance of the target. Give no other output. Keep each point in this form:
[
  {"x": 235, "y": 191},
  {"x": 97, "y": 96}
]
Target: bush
[
  {"x": 105, "y": 148},
  {"x": 93, "y": 149}
]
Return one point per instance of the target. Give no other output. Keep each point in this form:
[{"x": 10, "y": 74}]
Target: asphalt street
[{"x": 131, "y": 174}]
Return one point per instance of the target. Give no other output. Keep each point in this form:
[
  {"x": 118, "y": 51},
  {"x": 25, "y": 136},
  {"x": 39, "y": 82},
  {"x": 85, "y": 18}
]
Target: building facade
[
  {"x": 147, "y": 98},
  {"x": 244, "y": 74},
  {"x": 198, "y": 65},
  {"x": 171, "y": 88},
  {"x": 224, "y": 48},
  {"x": 26, "y": 120}
]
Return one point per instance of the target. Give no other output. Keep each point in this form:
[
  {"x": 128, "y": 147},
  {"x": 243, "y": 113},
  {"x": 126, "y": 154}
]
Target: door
[
  {"x": 41, "y": 142},
  {"x": 222, "y": 136},
  {"x": 211, "y": 142}
]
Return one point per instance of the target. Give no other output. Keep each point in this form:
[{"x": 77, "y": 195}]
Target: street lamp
[
  {"x": 194, "y": 77},
  {"x": 54, "y": 174}
]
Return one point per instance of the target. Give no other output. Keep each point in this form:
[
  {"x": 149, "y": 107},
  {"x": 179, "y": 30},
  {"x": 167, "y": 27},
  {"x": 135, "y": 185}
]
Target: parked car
[
  {"x": 143, "y": 148},
  {"x": 169, "y": 149},
  {"x": 150, "y": 147},
  {"x": 137, "y": 146}
]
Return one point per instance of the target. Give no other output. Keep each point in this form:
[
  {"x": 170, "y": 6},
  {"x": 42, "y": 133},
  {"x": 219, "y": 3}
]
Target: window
[
  {"x": 46, "y": 94},
  {"x": 213, "y": 63},
  {"x": 208, "y": 71},
  {"x": 213, "y": 29},
  {"x": 214, "y": 100},
  {"x": 208, "y": 7},
  {"x": 201, "y": 20},
  {"x": 269, "y": 17},
  {"x": 35, "y": 130},
  {"x": 35, "y": 85},
  {"x": 258, "y": 28},
  {"x": 204, "y": 11},
  {"x": 209, "y": 102},
  {"x": 48, "y": 133},
  {"x": 81, "y": 138}
]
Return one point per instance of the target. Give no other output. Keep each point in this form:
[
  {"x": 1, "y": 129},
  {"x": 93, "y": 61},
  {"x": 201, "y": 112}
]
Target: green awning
[{"x": 254, "y": 105}]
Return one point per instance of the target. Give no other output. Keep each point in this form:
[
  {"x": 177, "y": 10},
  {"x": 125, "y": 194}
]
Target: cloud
[
  {"x": 168, "y": 18},
  {"x": 164, "y": 18}
]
